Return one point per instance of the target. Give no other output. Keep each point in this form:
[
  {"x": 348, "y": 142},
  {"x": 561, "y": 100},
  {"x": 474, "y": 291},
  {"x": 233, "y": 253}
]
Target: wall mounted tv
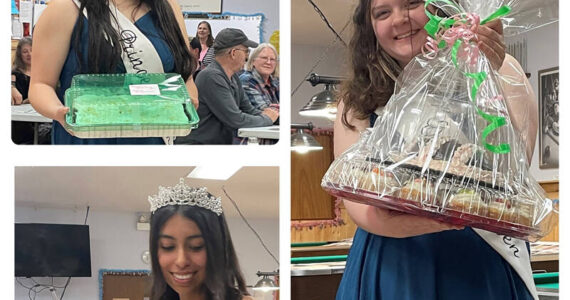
[{"x": 52, "y": 250}]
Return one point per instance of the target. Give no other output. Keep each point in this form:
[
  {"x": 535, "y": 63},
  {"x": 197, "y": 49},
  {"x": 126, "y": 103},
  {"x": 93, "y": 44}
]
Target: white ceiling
[
  {"x": 126, "y": 189},
  {"x": 307, "y": 28}
]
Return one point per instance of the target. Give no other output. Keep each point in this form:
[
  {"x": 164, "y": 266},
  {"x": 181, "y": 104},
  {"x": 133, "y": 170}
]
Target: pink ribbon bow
[{"x": 464, "y": 29}]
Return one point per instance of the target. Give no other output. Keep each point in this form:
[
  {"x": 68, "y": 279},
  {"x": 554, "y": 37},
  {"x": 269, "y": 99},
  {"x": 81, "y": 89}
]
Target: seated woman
[
  {"x": 23, "y": 132},
  {"x": 21, "y": 69},
  {"x": 192, "y": 253},
  {"x": 259, "y": 81}
]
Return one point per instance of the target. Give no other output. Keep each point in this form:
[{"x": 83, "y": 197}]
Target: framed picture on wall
[
  {"x": 548, "y": 111},
  {"x": 201, "y": 6}
]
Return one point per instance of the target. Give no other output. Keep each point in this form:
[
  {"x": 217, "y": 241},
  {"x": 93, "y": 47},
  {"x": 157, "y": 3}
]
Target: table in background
[
  {"x": 26, "y": 113},
  {"x": 322, "y": 265},
  {"x": 255, "y": 134}
]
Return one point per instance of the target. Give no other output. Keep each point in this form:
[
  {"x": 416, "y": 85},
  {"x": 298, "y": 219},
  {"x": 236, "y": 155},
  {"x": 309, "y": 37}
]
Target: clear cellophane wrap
[
  {"x": 524, "y": 15},
  {"x": 442, "y": 150}
]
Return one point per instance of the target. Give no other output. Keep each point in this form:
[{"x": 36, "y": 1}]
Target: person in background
[
  {"x": 206, "y": 38},
  {"x": 195, "y": 49},
  {"x": 191, "y": 249},
  {"x": 23, "y": 132},
  {"x": 259, "y": 81},
  {"x": 224, "y": 107},
  {"x": 21, "y": 69},
  {"x": 67, "y": 43}
]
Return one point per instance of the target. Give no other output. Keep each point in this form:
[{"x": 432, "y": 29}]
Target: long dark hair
[
  {"x": 224, "y": 280},
  {"x": 210, "y": 40},
  {"x": 372, "y": 71},
  {"x": 19, "y": 64},
  {"x": 104, "y": 55}
]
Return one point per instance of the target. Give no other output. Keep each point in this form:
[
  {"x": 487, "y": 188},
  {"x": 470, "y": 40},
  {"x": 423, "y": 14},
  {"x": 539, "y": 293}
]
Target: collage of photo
[{"x": 151, "y": 157}]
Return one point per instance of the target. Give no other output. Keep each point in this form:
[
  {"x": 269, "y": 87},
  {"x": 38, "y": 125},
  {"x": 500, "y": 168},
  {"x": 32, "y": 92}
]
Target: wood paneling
[
  {"x": 308, "y": 200},
  {"x": 14, "y": 46},
  {"x": 133, "y": 287},
  {"x": 325, "y": 250},
  {"x": 325, "y": 234},
  {"x": 318, "y": 287},
  {"x": 552, "y": 191}
]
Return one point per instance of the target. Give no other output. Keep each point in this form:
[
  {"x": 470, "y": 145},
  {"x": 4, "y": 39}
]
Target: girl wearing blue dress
[
  {"x": 401, "y": 256},
  {"x": 66, "y": 43}
]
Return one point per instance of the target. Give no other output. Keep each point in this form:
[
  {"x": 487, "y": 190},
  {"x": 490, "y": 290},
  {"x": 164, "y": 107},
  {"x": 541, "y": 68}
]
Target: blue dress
[
  {"x": 448, "y": 265},
  {"x": 146, "y": 24}
]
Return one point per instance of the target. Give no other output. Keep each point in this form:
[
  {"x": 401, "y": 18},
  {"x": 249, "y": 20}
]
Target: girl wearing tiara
[{"x": 192, "y": 254}]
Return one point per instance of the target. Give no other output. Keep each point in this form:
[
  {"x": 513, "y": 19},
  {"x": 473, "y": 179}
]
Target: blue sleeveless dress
[
  {"x": 70, "y": 68},
  {"x": 449, "y": 265}
]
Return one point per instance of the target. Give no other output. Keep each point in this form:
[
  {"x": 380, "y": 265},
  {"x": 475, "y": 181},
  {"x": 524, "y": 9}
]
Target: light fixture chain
[
  {"x": 250, "y": 227},
  {"x": 319, "y": 60},
  {"x": 326, "y": 21}
]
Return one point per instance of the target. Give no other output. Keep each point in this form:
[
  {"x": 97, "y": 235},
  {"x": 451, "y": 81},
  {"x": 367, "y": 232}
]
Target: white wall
[
  {"x": 542, "y": 54},
  {"x": 116, "y": 244},
  {"x": 304, "y": 57},
  {"x": 269, "y": 8}
]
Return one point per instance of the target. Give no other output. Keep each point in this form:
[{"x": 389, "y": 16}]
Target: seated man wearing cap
[{"x": 224, "y": 106}]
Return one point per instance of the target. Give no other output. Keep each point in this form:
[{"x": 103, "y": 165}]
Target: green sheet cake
[
  {"x": 95, "y": 110},
  {"x": 129, "y": 105}
]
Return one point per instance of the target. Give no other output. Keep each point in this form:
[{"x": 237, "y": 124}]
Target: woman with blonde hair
[
  {"x": 259, "y": 81},
  {"x": 21, "y": 69}
]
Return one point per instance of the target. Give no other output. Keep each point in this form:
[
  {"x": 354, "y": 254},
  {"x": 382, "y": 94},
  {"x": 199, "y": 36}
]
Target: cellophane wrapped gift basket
[
  {"x": 444, "y": 145},
  {"x": 129, "y": 105}
]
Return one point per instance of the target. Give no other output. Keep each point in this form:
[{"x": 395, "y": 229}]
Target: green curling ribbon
[
  {"x": 433, "y": 26},
  {"x": 502, "y": 11}
]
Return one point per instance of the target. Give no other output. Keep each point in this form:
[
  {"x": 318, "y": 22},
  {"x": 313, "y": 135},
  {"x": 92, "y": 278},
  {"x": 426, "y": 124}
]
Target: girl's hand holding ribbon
[{"x": 491, "y": 42}]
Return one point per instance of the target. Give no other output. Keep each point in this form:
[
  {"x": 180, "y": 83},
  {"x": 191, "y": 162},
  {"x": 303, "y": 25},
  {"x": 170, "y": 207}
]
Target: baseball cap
[{"x": 230, "y": 37}]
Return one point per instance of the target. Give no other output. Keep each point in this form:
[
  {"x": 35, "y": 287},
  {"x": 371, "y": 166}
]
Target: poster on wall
[
  {"x": 251, "y": 25},
  {"x": 548, "y": 110},
  {"x": 201, "y": 6}
]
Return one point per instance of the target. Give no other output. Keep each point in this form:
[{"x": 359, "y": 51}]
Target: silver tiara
[{"x": 181, "y": 194}]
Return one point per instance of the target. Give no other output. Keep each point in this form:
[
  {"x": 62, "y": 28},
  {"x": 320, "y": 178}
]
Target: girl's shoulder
[
  {"x": 247, "y": 298},
  {"x": 68, "y": 6},
  {"x": 51, "y": 16}
]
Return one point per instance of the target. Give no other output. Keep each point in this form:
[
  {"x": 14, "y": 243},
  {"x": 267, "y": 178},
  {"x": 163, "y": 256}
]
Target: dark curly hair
[
  {"x": 372, "y": 71},
  {"x": 224, "y": 280}
]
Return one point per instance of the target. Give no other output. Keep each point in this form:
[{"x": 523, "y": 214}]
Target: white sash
[
  {"x": 138, "y": 55},
  {"x": 513, "y": 250}
]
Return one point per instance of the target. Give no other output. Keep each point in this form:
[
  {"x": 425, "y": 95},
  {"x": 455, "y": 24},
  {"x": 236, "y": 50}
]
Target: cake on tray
[
  {"x": 129, "y": 105},
  {"x": 122, "y": 109}
]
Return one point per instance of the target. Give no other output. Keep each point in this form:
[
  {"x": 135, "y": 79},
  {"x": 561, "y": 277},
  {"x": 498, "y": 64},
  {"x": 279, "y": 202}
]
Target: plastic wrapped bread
[{"x": 444, "y": 149}]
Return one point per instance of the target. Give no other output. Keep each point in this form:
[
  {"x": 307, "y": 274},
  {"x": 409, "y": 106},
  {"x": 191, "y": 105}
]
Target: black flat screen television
[{"x": 52, "y": 250}]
